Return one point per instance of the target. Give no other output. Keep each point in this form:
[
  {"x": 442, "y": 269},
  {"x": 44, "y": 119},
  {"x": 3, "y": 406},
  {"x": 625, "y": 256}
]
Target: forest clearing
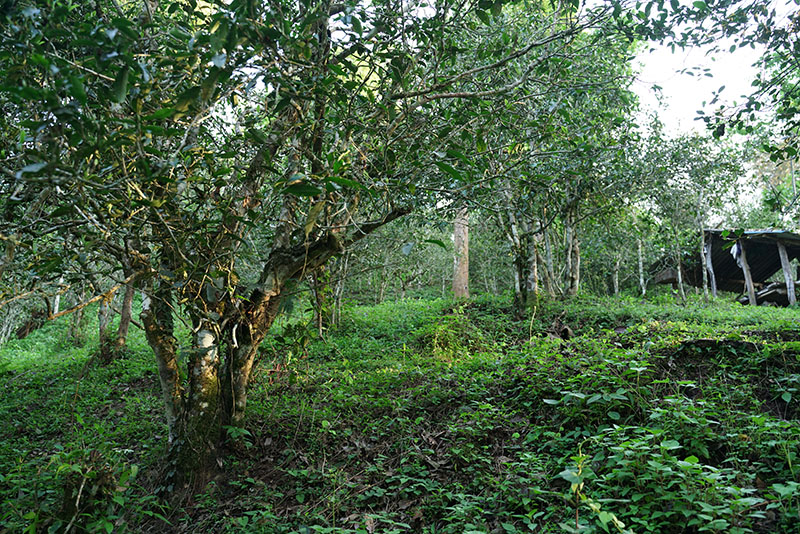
[{"x": 399, "y": 266}]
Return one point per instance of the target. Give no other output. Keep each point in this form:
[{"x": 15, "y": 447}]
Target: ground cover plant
[{"x": 433, "y": 416}]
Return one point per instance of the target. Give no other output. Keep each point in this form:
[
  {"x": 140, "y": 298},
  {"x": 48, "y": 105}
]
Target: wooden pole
[
  {"x": 710, "y": 266},
  {"x": 787, "y": 273},
  {"x": 748, "y": 277}
]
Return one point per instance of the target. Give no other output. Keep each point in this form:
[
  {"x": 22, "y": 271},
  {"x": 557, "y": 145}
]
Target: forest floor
[{"x": 598, "y": 415}]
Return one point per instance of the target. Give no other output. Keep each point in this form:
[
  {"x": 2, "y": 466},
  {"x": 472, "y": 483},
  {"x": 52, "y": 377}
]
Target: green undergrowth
[{"x": 441, "y": 416}]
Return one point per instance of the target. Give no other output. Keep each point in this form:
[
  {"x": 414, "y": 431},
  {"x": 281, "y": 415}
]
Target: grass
[{"x": 435, "y": 416}]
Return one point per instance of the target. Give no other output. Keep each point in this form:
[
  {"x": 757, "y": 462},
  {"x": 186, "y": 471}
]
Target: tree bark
[
  {"x": 702, "y": 260},
  {"x": 573, "y": 255},
  {"x": 461, "y": 256},
  {"x": 710, "y": 267},
  {"x": 679, "y": 268},
  {"x": 640, "y": 257},
  {"x": 787, "y": 273},
  {"x": 748, "y": 277},
  {"x": 103, "y": 321},
  {"x": 549, "y": 263},
  {"x": 125, "y": 317},
  {"x": 226, "y": 341}
]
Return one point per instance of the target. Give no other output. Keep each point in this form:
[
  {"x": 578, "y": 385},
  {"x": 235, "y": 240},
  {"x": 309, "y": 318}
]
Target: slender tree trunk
[
  {"x": 702, "y": 262},
  {"x": 323, "y": 295},
  {"x": 57, "y": 299},
  {"x": 461, "y": 259},
  {"x": 103, "y": 322},
  {"x": 710, "y": 267},
  {"x": 549, "y": 263},
  {"x": 615, "y": 277},
  {"x": 788, "y": 277},
  {"x": 573, "y": 262},
  {"x": 679, "y": 268},
  {"x": 575, "y": 278},
  {"x": 748, "y": 277},
  {"x": 125, "y": 316},
  {"x": 533, "y": 273},
  {"x": 77, "y": 323},
  {"x": 640, "y": 257}
]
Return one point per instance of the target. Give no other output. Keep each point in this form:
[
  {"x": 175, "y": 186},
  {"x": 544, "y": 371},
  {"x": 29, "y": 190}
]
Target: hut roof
[{"x": 762, "y": 256}]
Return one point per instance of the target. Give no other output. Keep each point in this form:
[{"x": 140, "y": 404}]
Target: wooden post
[
  {"x": 710, "y": 266},
  {"x": 748, "y": 278},
  {"x": 787, "y": 273}
]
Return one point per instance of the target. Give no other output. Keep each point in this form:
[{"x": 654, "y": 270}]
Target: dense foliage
[{"x": 437, "y": 416}]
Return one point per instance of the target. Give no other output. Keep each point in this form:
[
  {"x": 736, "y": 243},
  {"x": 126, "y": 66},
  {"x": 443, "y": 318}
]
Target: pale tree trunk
[
  {"x": 679, "y": 268},
  {"x": 461, "y": 254},
  {"x": 338, "y": 292},
  {"x": 57, "y": 299},
  {"x": 76, "y": 324},
  {"x": 125, "y": 316},
  {"x": 103, "y": 322},
  {"x": 550, "y": 264},
  {"x": 545, "y": 274},
  {"x": 533, "y": 273},
  {"x": 323, "y": 298},
  {"x": 615, "y": 277},
  {"x": 702, "y": 262},
  {"x": 640, "y": 257}
]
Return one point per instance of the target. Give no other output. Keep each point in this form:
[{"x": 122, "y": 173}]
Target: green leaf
[
  {"x": 160, "y": 114},
  {"x": 449, "y": 170},
  {"x": 614, "y": 415},
  {"x": 62, "y": 210},
  {"x": 76, "y": 89},
  {"x": 571, "y": 476},
  {"x": 483, "y": 16},
  {"x": 344, "y": 182},
  {"x": 436, "y": 242},
  {"x": 302, "y": 189},
  {"x": 354, "y": 20},
  {"x": 786, "y": 396},
  {"x": 670, "y": 444},
  {"x": 120, "y": 87},
  {"x": 497, "y": 8},
  {"x": 700, "y": 5}
]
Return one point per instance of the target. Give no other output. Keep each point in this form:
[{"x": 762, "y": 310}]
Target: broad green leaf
[
  {"x": 571, "y": 476},
  {"x": 449, "y": 170},
  {"x": 76, "y": 89},
  {"x": 120, "y": 87},
  {"x": 302, "y": 189},
  {"x": 160, "y": 114},
  {"x": 344, "y": 182},
  {"x": 436, "y": 242}
]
